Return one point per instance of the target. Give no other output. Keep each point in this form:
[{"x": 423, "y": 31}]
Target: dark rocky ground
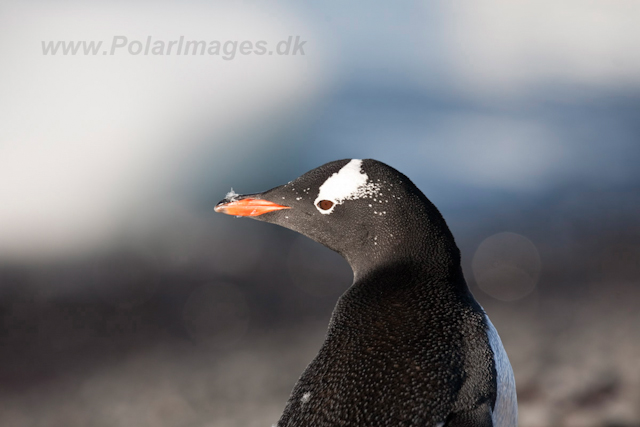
[{"x": 575, "y": 359}]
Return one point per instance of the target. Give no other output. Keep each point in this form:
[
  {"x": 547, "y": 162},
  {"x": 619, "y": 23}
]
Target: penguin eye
[{"x": 325, "y": 204}]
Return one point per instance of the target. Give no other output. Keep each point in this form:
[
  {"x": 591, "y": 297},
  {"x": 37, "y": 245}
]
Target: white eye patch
[{"x": 348, "y": 183}]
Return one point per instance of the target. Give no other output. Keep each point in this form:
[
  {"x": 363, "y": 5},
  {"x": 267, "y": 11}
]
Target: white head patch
[{"x": 348, "y": 183}]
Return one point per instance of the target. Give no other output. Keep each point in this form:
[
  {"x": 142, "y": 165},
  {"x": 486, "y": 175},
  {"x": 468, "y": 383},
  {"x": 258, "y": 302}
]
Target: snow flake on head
[
  {"x": 348, "y": 183},
  {"x": 305, "y": 397},
  {"x": 231, "y": 196}
]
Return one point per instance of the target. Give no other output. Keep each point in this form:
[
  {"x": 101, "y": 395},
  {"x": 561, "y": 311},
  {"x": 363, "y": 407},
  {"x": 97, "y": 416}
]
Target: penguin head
[{"x": 363, "y": 209}]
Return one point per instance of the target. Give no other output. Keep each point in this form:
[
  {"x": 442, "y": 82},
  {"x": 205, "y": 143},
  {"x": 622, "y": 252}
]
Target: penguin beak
[{"x": 247, "y": 207}]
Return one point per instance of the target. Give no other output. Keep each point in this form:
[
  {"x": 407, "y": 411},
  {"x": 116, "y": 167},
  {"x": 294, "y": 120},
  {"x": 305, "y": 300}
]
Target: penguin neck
[
  {"x": 433, "y": 258},
  {"x": 401, "y": 287},
  {"x": 416, "y": 237}
]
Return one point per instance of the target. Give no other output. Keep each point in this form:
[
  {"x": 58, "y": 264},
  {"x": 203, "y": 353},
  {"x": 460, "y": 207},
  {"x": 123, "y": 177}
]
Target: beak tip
[{"x": 223, "y": 205}]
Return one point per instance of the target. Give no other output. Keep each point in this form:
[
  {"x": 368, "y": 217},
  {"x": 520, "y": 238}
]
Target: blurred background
[{"x": 125, "y": 301}]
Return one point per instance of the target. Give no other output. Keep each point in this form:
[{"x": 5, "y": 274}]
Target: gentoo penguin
[{"x": 407, "y": 344}]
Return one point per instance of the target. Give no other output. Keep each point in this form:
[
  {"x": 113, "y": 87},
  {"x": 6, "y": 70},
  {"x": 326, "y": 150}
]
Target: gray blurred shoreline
[{"x": 150, "y": 342}]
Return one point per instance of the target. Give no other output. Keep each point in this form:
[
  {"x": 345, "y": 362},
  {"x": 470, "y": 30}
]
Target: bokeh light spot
[{"x": 506, "y": 266}]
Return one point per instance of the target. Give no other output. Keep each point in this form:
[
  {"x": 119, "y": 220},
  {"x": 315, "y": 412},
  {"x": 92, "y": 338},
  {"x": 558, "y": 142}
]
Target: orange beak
[{"x": 248, "y": 207}]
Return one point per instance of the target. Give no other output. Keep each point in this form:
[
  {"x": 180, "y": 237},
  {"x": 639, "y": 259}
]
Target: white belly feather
[{"x": 505, "y": 412}]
